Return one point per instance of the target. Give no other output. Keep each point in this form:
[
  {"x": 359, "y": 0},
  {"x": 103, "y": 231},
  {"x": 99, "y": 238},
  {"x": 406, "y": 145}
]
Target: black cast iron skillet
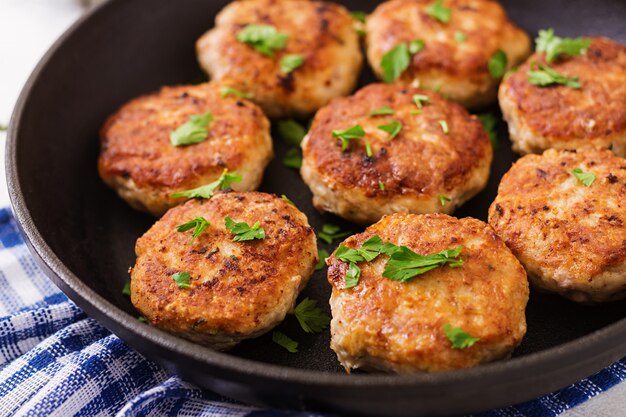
[{"x": 83, "y": 235}]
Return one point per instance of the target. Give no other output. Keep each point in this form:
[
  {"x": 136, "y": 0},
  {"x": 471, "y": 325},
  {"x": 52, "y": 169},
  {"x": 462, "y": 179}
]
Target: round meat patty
[
  {"x": 448, "y": 318},
  {"x": 563, "y": 117},
  {"x": 236, "y": 289},
  {"x": 456, "y": 53},
  {"x": 318, "y": 37},
  {"x": 438, "y": 159},
  {"x": 139, "y": 161},
  {"x": 570, "y": 237}
]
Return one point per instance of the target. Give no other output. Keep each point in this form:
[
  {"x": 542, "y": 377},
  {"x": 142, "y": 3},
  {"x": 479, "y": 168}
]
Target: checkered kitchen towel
[{"x": 55, "y": 361}]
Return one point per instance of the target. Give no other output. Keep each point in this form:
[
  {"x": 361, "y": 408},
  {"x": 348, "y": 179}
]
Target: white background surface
[{"x": 29, "y": 27}]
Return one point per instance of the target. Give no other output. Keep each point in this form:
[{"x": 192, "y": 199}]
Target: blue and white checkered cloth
[{"x": 56, "y": 361}]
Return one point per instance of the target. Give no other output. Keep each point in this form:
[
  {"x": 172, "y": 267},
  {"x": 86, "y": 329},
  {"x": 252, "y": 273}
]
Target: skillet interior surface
[{"x": 84, "y": 234}]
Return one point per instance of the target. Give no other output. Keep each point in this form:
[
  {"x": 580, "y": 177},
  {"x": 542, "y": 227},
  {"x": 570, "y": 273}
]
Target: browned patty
[
  {"x": 565, "y": 118},
  {"x": 459, "y": 69},
  {"x": 417, "y": 166},
  {"x": 321, "y": 32},
  {"x": 138, "y": 160},
  {"x": 570, "y": 238},
  {"x": 237, "y": 290},
  {"x": 388, "y": 325}
]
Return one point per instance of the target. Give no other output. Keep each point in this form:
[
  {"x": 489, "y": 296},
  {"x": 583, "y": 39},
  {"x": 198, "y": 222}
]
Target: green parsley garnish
[
  {"x": 394, "y": 62},
  {"x": 142, "y": 319},
  {"x": 355, "y": 132},
  {"x": 554, "y": 46},
  {"x": 199, "y": 225},
  {"x": 368, "y": 149},
  {"x": 439, "y": 12},
  {"x": 420, "y": 99},
  {"x": 497, "y": 64},
  {"x": 359, "y": 16},
  {"x": 182, "y": 279},
  {"x": 444, "y": 127},
  {"x": 459, "y": 37},
  {"x": 285, "y": 341},
  {"x": 381, "y": 111},
  {"x": 587, "y": 178},
  {"x": 243, "y": 231},
  {"x": 330, "y": 233},
  {"x": 444, "y": 200},
  {"x": 393, "y": 128},
  {"x": 126, "y": 289},
  {"x": 368, "y": 251},
  {"x": 264, "y": 38},
  {"x": 543, "y": 76},
  {"x": 293, "y": 158},
  {"x": 230, "y": 91},
  {"x": 323, "y": 255},
  {"x": 312, "y": 319},
  {"x": 489, "y": 122},
  {"x": 405, "y": 264},
  {"x": 416, "y": 46},
  {"x": 458, "y": 338},
  {"x": 195, "y": 130},
  {"x": 290, "y": 131},
  {"x": 352, "y": 276},
  {"x": 381, "y": 185},
  {"x": 207, "y": 191},
  {"x": 289, "y": 63},
  {"x": 284, "y": 197}
]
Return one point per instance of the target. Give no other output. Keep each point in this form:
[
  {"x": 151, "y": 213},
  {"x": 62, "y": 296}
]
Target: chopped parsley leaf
[
  {"x": 587, "y": 178},
  {"x": 439, "y": 12},
  {"x": 489, "y": 122},
  {"x": 312, "y": 319},
  {"x": 359, "y": 16},
  {"x": 290, "y": 131},
  {"x": 381, "y": 185},
  {"x": 195, "y": 130},
  {"x": 459, "y": 37},
  {"x": 394, "y": 62},
  {"x": 182, "y": 279},
  {"x": 199, "y": 225},
  {"x": 284, "y": 197},
  {"x": 444, "y": 200},
  {"x": 543, "y": 76},
  {"x": 264, "y": 38},
  {"x": 285, "y": 341},
  {"x": 381, "y": 111},
  {"x": 444, "y": 127},
  {"x": 404, "y": 264},
  {"x": 289, "y": 63},
  {"x": 126, "y": 289},
  {"x": 458, "y": 338},
  {"x": 207, "y": 191},
  {"x": 330, "y": 233},
  {"x": 323, "y": 255},
  {"x": 416, "y": 46},
  {"x": 420, "y": 99},
  {"x": 230, "y": 91},
  {"x": 368, "y": 149},
  {"x": 393, "y": 128},
  {"x": 293, "y": 158},
  {"x": 352, "y": 276},
  {"x": 243, "y": 231},
  {"x": 497, "y": 64},
  {"x": 555, "y": 46},
  {"x": 355, "y": 132}
]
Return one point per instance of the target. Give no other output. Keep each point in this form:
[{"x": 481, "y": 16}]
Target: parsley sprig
[
  {"x": 195, "y": 130},
  {"x": 458, "y": 338},
  {"x": 587, "y": 178},
  {"x": 312, "y": 319},
  {"x": 289, "y": 63},
  {"x": 381, "y": 111},
  {"x": 181, "y": 279},
  {"x": 207, "y": 191},
  {"x": 290, "y": 131},
  {"x": 231, "y": 91},
  {"x": 395, "y": 61},
  {"x": 497, "y": 64},
  {"x": 543, "y": 76},
  {"x": 243, "y": 231},
  {"x": 264, "y": 38},
  {"x": 293, "y": 158},
  {"x": 322, "y": 254},
  {"x": 403, "y": 264},
  {"x": 555, "y": 46},
  {"x": 199, "y": 225}
]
